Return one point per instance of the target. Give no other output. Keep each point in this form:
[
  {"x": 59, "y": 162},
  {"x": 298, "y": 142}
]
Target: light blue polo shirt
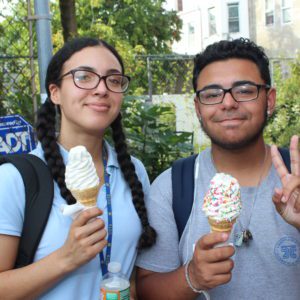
[{"x": 83, "y": 283}]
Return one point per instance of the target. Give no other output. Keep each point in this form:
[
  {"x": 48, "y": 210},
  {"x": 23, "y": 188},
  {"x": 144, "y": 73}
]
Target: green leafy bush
[
  {"x": 150, "y": 130},
  {"x": 286, "y": 121}
]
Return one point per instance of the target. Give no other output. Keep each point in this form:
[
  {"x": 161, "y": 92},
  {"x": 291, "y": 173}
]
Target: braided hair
[
  {"x": 148, "y": 236},
  {"x": 46, "y": 134}
]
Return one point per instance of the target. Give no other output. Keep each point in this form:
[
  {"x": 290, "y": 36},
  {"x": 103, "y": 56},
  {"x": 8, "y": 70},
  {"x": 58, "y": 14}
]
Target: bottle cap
[{"x": 114, "y": 267}]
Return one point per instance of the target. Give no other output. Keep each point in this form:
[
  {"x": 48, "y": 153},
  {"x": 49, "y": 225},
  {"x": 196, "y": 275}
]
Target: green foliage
[
  {"x": 16, "y": 95},
  {"x": 135, "y": 22},
  {"x": 285, "y": 122},
  {"x": 171, "y": 74},
  {"x": 150, "y": 130}
]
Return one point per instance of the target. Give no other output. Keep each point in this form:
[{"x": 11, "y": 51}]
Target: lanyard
[{"x": 104, "y": 261}]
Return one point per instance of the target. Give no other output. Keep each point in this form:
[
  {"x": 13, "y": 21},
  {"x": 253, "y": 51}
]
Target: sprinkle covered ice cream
[{"x": 222, "y": 202}]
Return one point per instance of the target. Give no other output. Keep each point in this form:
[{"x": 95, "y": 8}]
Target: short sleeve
[
  {"x": 164, "y": 255},
  {"x": 12, "y": 200}
]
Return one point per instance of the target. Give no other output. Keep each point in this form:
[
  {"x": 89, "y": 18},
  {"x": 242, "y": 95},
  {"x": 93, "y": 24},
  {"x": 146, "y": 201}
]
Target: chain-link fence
[
  {"x": 18, "y": 75},
  {"x": 173, "y": 74},
  {"x": 18, "y": 63},
  {"x": 167, "y": 74}
]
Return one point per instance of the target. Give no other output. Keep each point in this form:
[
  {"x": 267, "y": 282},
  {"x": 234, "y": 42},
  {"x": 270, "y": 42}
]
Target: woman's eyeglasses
[{"x": 89, "y": 80}]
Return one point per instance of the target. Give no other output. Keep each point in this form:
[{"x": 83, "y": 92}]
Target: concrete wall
[
  {"x": 280, "y": 39},
  {"x": 186, "y": 118},
  {"x": 191, "y": 32}
]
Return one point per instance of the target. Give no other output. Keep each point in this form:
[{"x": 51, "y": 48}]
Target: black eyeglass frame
[
  {"x": 99, "y": 76},
  {"x": 225, "y": 91}
]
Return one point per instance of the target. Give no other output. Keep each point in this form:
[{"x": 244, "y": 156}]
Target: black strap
[
  {"x": 183, "y": 190},
  {"x": 285, "y": 154},
  {"x": 183, "y": 187},
  {"x": 39, "y": 193}
]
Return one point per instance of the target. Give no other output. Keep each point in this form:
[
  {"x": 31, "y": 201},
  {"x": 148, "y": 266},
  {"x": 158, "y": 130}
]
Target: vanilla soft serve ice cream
[{"x": 81, "y": 176}]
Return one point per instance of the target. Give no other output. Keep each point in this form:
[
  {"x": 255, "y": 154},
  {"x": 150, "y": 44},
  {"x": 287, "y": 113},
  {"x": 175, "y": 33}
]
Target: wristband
[{"x": 188, "y": 280}]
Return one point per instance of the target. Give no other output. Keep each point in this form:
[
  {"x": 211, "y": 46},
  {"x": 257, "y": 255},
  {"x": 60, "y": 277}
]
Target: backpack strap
[
  {"x": 39, "y": 193},
  {"x": 183, "y": 187},
  {"x": 183, "y": 190},
  {"x": 285, "y": 154}
]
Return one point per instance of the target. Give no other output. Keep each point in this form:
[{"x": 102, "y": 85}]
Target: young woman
[{"x": 85, "y": 84}]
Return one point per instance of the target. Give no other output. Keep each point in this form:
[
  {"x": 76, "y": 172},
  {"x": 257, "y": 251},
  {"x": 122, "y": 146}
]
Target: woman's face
[{"x": 87, "y": 111}]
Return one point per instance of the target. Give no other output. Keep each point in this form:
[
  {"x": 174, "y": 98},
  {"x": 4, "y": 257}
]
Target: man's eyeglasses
[
  {"x": 240, "y": 93},
  {"x": 89, "y": 80}
]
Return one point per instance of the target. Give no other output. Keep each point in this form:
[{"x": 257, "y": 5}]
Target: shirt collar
[{"x": 112, "y": 156}]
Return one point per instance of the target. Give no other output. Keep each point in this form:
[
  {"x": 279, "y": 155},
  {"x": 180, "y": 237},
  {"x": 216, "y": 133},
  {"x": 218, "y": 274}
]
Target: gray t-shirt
[{"x": 268, "y": 267}]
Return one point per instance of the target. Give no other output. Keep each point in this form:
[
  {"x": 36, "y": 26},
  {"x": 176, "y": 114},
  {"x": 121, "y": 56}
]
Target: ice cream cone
[
  {"x": 81, "y": 176},
  {"x": 87, "y": 197},
  {"x": 222, "y": 202},
  {"x": 221, "y": 226}
]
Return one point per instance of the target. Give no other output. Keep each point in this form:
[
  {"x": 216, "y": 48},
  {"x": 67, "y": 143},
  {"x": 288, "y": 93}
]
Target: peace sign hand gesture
[{"x": 287, "y": 199}]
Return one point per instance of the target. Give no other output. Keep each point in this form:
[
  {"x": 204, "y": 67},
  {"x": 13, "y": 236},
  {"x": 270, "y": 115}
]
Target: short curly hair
[{"x": 238, "y": 48}]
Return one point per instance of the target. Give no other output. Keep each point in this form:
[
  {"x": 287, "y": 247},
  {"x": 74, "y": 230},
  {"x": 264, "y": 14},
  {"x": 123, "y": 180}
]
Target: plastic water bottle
[{"x": 114, "y": 285}]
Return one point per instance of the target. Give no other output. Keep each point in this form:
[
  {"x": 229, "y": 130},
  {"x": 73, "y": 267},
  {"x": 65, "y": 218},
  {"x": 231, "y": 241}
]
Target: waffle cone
[
  {"x": 87, "y": 197},
  {"x": 220, "y": 226}
]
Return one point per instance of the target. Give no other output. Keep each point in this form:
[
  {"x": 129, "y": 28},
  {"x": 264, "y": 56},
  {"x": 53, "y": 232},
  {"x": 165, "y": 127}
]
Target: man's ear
[
  {"x": 54, "y": 93},
  {"x": 271, "y": 101}
]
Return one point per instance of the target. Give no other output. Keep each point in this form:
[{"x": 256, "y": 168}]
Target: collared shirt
[{"x": 83, "y": 283}]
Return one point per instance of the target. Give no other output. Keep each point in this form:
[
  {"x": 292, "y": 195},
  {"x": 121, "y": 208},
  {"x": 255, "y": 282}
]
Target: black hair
[
  {"x": 238, "y": 48},
  {"x": 46, "y": 134}
]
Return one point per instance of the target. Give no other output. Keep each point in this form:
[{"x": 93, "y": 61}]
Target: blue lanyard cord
[{"x": 104, "y": 261}]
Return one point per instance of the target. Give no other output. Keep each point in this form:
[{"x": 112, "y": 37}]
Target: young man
[{"x": 234, "y": 99}]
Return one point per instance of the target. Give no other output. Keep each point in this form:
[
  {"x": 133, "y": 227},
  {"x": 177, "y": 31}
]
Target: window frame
[
  {"x": 213, "y": 8},
  {"x": 285, "y": 8},
  {"x": 232, "y": 4},
  {"x": 270, "y": 9}
]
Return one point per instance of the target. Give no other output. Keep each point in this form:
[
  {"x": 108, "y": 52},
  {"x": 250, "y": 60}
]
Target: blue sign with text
[{"x": 16, "y": 135}]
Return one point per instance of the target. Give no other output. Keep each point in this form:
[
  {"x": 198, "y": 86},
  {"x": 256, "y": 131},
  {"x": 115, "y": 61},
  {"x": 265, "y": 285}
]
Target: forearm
[
  {"x": 170, "y": 285},
  {"x": 31, "y": 281}
]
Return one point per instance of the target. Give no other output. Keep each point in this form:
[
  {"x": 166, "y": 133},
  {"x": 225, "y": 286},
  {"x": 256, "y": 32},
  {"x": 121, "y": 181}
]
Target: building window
[
  {"x": 191, "y": 28},
  {"x": 286, "y": 10},
  {"x": 191, "y": 34},
  {"x": 212, "y": 21},
  {"x": 269, "y": 12},
  {"x": 233, "y": 17}
]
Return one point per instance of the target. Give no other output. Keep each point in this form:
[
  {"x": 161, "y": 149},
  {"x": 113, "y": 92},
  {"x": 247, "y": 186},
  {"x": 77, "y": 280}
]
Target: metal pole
[
  {"x": 43, "y": 29},
  {"x": 149, "y": 78},
  {"x": 31, "y": 53}
]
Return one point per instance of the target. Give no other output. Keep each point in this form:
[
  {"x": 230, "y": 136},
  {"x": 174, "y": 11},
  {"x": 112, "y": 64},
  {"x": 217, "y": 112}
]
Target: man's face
[{"x": 232, "y": 124}]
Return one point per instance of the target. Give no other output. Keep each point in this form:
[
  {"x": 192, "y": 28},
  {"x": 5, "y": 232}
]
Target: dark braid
[
  {"x": 148, "y": 236},
  {"x": 46, "y": 135}
]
